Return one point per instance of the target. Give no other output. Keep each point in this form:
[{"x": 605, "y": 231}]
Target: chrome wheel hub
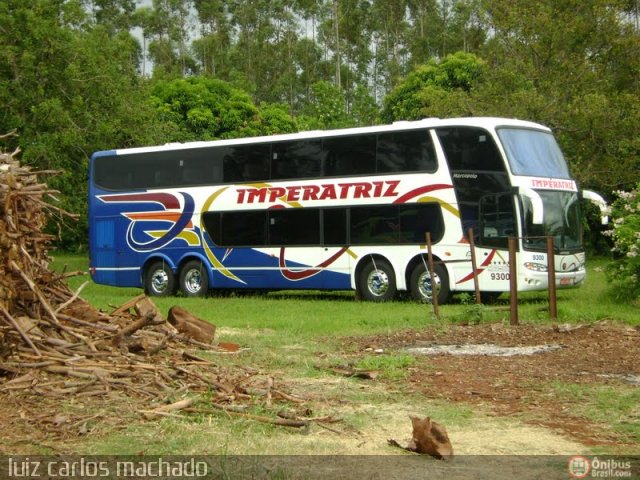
[
  {"x": 378, "y": 283},
  {"x": 160, "y": 281},
  {"x": 425, "y": 285},
  {"x": 193, "y": 281}
]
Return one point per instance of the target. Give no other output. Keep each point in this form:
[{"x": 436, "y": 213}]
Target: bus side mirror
[
  {"x": 536, "y": 204},
  {"x": 600, "y": 202}
]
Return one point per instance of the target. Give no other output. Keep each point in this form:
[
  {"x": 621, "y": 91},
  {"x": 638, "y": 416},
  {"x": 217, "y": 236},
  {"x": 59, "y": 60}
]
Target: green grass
[
  {"x": 307, "y": 315},
  {"x": 391, "y": 367},
  {"x": 618, "y": 407}
]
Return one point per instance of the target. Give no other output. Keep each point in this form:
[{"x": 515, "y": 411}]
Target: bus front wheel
[
  {"x": 421, "y": 284},
  {"x": 377, "y": 281},
  {"x": 194, "y": 281},
  {"x": 159, "y": 280}
]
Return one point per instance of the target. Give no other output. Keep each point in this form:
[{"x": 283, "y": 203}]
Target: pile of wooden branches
[
  {"x": 27, "y": 287},
  {"x": 54, "y": 344}
]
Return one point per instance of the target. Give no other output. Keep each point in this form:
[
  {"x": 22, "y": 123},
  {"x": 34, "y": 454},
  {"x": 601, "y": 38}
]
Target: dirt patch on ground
[{"x": 522, "y": 385}]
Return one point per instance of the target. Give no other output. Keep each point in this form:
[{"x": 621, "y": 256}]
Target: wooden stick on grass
[{"x": 22, "y": 333}]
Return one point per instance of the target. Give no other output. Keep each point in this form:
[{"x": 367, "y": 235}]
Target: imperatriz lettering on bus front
[{"x": 328, "y": 191}]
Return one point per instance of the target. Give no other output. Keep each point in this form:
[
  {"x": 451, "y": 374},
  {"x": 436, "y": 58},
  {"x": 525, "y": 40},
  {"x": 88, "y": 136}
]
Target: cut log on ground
[
  {"x": 428, "y": 437},
  {"x": 190, "y": 325}
]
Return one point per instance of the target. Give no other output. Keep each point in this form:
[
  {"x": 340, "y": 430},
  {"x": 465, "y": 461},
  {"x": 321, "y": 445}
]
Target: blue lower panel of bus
[
  {"x": 254, "y": 269},
  {"x": 119, "y": 277},
  {"x": 244, "y": 268},
  {"x": 105, "y": 276},
  {"x": 274, "y": 279}
]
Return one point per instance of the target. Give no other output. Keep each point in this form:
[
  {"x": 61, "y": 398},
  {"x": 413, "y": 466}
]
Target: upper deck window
[
  {"x": 533, "y": 153},
  {"x": 470, "y": 148},
  {"x": 407, "y": 151},
  {"x": 337, "y": 156},
  {"x": 158, "y": 169}
]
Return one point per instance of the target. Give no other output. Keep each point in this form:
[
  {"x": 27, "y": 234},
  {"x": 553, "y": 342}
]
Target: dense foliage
[
  {"x": 78, "y": 76},
  {"x": 624, "y": 273},
  {"x": 202, "y": 108}
]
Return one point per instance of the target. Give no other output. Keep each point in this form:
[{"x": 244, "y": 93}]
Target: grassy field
[
  {"x": 309, "y": 314},
  {"x": 297, "y": 336}
]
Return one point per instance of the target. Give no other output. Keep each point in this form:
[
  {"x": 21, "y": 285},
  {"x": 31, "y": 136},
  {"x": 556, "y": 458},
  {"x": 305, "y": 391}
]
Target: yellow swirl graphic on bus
[{"x": 210, "y": 255}]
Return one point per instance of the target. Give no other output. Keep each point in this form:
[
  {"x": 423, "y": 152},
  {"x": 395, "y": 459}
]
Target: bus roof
[{"x": 489, "y": 123}]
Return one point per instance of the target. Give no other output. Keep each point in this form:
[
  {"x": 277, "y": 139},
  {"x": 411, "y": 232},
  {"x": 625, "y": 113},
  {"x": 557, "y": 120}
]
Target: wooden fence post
[
  {"x": 472, "y": 246},
  {"x": 513, "y": 281},
  {"x": 551, "y": 270},
  {"x": 434, "y": 293}
]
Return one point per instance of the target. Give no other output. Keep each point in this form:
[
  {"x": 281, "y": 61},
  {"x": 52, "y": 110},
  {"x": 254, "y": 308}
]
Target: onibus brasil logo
[{"x": 583, "y": 467}]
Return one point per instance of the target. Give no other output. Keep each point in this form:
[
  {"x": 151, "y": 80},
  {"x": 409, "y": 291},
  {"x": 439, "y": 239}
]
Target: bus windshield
[
  {"x": 561, "y": 220},
  {"x": 533, "y": 153}
]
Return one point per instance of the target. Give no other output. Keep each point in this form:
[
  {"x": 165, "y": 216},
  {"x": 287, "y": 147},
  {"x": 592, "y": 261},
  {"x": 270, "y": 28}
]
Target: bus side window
[
  {"x": 163, "y": 178},
  {"x": 143, "y": 178},
  {"x": 395, "y": 224},
  {"x": 294, "y": 226},
  {"x": 232, "y": 168},
  {"x": 217, "y": 170},
  {"x": 243, "y": 229},
  {"x": 298, "y": 159},
  {"x": 417, "y": 220},
  {"x": 194, "y": 176},
  {"x": 201, "y": 166},
  {"x": 406, "y": 151},
  {"x": 112, "y": 173},
  {"x": 497, "y": 220},
  {"x": 334, "y": 226},
  {"x": 256, "y": 165},
  {"x": 247, "y": 163},
  {"x": 281, "y": 162},
  {"x": 352, "y": 155},
  {"x": 470, "y": 148}
]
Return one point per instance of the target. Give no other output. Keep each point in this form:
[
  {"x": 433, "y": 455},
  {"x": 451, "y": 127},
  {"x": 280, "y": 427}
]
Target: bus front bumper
[{"x": 540, "y": 280}]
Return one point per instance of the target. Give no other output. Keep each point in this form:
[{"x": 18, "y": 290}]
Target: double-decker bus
[{"x": 338, "y": 210}]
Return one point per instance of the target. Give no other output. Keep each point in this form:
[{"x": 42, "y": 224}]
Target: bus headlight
[{"x": 536, "y": 267}]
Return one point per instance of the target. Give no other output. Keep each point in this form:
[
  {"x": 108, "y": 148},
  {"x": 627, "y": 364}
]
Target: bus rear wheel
[
  {"x": 159, "y": 280},
  {"x": 194, "y": 281},
  {"x": 421, "y": 283},
  {"x": 377, "y": 281}
]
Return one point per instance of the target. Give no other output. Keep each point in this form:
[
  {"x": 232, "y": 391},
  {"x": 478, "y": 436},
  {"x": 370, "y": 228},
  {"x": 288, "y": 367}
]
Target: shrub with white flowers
[{"x": 624, "y": 271}]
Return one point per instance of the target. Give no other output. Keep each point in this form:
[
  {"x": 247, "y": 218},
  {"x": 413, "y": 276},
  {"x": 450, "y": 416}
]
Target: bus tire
[
  {"x": 377, "y": 282},
  {"x": 159, "y": 280},
  {"x": 194, "y": 281},
  {"x": 420, "y": 283}
]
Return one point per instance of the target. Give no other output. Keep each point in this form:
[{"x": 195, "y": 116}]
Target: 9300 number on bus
[{"x": 499, "y": 275}]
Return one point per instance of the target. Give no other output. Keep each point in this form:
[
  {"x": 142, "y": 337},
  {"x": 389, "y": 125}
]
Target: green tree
[
  {"x": 203, "y": 108},
  {"x": 212, "y": 48},
  {"x": 440, "y": 89},
  {"x": 114, "y": 15},
  {"x": 167, "y": 24},
  {"x": 390, "y": 43},
  {"x": 364, "y": 110},
  {"x": 327, "y": 108},
  {"x": 64, "y": 99}
]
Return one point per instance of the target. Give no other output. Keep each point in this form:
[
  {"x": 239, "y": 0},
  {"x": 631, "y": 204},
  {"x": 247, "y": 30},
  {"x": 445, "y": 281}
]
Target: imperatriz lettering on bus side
[{"x": 329, "y": 191}]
